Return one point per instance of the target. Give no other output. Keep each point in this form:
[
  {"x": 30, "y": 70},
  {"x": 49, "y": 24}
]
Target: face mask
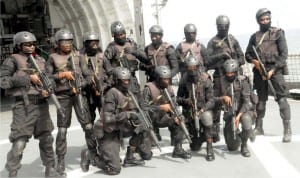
[
  {"x": 120, "y": 41},
  {"x": 265, "y": 27},
  {"x": 230, "y": 78},
  {"x": 91, "y": 51}
]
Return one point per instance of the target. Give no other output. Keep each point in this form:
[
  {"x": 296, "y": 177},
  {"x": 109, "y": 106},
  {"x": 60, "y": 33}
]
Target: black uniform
[
  {"x": 205, "y": 103},
  {"x": 243, "y": 104},
  {"x": 30, "y": 112},
  {"x": 68, "y": 98},
  {"x": 119, "y": 120},
  {"x": 272, "y": 49}
]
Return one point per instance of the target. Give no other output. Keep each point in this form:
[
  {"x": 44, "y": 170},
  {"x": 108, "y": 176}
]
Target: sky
[{"x": 177, "y": 13}]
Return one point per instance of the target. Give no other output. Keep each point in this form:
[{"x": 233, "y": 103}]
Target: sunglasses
[{"x": 29, "y": 44}]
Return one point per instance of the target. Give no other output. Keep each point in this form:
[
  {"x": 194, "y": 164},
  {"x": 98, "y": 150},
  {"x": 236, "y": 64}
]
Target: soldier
[
  {"x": 64, "y": 67},
  {"x": 158, "y": 107},
  {"x": 125, "y": 53},
  {"x": 95, "y": 69},
  {"x": 159, "y": 53},
  {"x": 235, "y": 97},
  {"x": 120, "y": 120},
  {"x": 195, "y": 88},
  {"x": 271, "y": 47},
  {"x": 221, "y": 47},
  {"x": 31, "y": 110},
  {"x": 190, "y": 47}
]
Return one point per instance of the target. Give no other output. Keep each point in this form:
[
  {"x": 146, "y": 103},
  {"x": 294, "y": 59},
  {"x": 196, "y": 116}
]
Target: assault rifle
[
  {"x": 77, "y": 88},
  {"x": 47, "y": 85},
  {"x": 146, "y": 120},
  {"x": 232, "y": 111},
  {"x": 177, "y": 115},
  {"x": 97, "y": 84},
  {"x": 195, "y": 109},
  {"x": 265, "y": 73}
]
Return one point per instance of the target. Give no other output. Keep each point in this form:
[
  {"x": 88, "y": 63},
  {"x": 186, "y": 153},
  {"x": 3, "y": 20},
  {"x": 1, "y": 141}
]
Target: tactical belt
[{"x": 33, "y": 99}]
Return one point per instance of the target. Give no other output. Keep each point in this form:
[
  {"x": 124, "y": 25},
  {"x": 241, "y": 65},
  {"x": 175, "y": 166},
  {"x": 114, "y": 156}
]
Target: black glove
[
  {"x": 133, "y": 118},
  {"x": 132, "y": 51},
  {"x": 23, "y": 81},
  {"x": 224, "y": 55}
]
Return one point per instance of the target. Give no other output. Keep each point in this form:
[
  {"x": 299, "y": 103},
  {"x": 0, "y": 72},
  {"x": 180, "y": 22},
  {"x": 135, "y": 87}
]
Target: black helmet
[
  {"x": 121, "y": 73},
  {"x": 261, "y": 12},
  {"x": 190, "y": 28},
  {"x": 231, "y": 65},
  {"x": 88, "y": 36},
  {"x": 163, "y": 72},
  {"x": 63, "y": 34},
  {"x": 117, "y": 28},
  {"x": 192, "y": 61},
  {"x": 222, "y": 20},
  {"x": 156, "y": 29},
  {"x": 22, "y": 37}
]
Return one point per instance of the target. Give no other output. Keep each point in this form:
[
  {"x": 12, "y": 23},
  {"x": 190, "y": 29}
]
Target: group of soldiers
[{"x": 93, "y": 80}]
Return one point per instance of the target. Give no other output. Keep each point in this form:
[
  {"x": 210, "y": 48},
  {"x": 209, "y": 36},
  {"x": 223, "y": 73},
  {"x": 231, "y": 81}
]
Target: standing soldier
[
  {"x": 272, "y": 49},
  {"x": 190, "y": 47},
  {"x": 31, "y": 110},
  {"x": 159, "y": 53},
  {"x": 157, "y": 106},
  {"x": 65, "y": 68},
  {"x": 221, "y": 47},
  {"x": 125, "y": 53},
  {"x": 120, "y": 120},
  {"x": 235, "y": 97},
  {"x": 195, "y": 94},
  {"x": 95, "y": 70}
]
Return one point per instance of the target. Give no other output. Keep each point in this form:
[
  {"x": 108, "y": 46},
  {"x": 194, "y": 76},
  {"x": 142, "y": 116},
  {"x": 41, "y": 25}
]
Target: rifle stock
[
  {"x": 265, "y": 73},
  {"x": 47, "y": 85},
  {"x": 77, "y": 85},
  {"x": 179, "y": 116}
]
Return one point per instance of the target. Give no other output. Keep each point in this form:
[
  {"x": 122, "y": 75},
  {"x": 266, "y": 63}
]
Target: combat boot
[
  {"x": 179, "y": 152},
  {"x": 244, "y": 149},
  {"x": 85, "y": 160},
  {"x": 13, "y": 173},
  {"x": 130, "y": 160},
  {"x": 258, "y": 130},
  {"x": 209, "y": 151},
  {"x": 51, "y": 172},
  {"x": 61, "y": 166},
  {"x": 287, "y": 131}
]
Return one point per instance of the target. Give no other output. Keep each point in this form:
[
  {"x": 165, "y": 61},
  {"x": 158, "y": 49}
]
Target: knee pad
[
  {"x": 246, "y": 121},
  {"x": 19, "y": 146},
  {"x": 88, "y": 128},
  {"x": 283, "y": 104},
  {"x": 62, "y": 133},
  {"x": 261, "y": 106},
  {"x": 46, "y": 138},
  {"x": 207, "y": 118}
]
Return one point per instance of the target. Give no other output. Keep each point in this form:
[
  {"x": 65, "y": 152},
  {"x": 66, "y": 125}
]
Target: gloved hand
[
  {"x": 67, "y": 75},
  {"x": 23, "y": 81},
  {"x": 224, "y": 55},
  {"x": 187, "y": 102},
  {"x": 133, "y": 117},
  {"x": 129, "y": 50}
]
